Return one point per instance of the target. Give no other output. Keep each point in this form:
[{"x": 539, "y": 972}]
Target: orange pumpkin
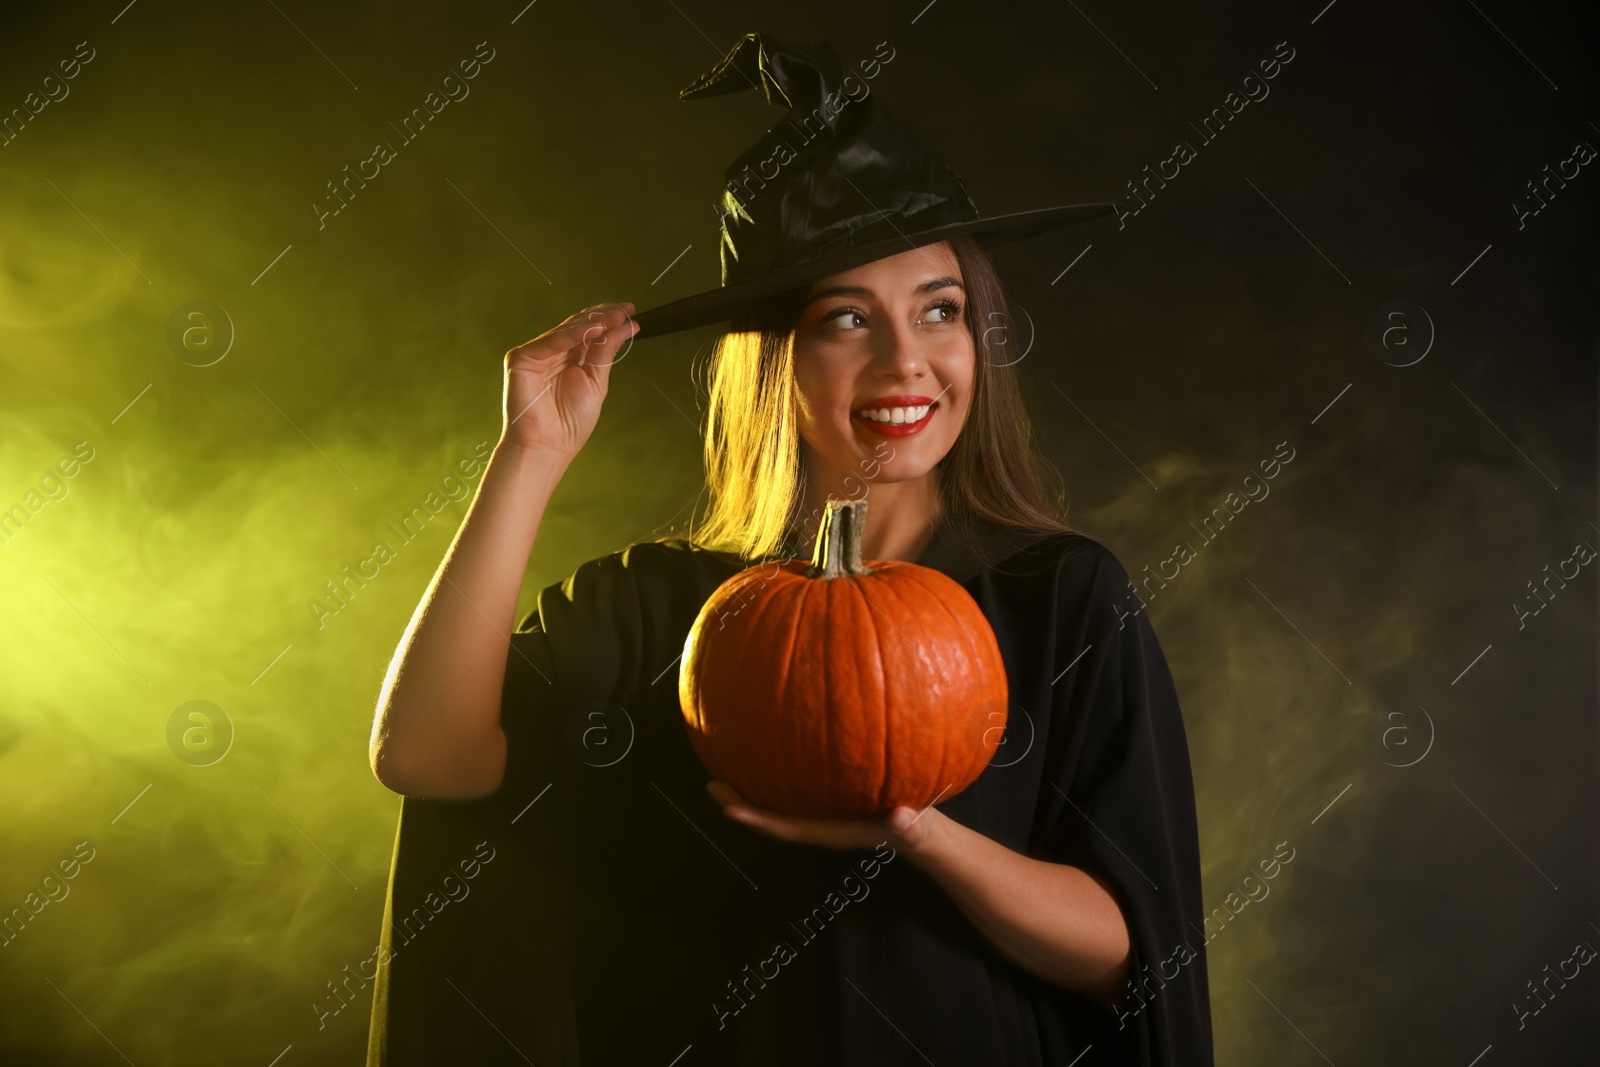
[{"x": 837, "y": 688}]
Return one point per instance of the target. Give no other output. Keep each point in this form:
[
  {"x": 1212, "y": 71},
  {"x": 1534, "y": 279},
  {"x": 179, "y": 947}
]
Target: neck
[{"x": 900, "y": 518}]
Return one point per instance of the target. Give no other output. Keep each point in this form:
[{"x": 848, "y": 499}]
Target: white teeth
[{"x": 897, "y": 416}]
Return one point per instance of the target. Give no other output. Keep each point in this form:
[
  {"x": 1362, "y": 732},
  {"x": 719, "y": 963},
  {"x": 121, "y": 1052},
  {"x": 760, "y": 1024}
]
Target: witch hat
[{"x": 841, "y": 181}]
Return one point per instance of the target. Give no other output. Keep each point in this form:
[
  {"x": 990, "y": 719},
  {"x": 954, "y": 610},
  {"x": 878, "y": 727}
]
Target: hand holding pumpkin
[{"x": 906, "y": 829}]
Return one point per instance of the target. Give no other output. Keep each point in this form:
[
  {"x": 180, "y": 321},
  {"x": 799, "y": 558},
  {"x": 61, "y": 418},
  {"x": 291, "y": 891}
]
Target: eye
[
  {"x": 950, "y": 308},
  {"x": 836, "y": 312}
]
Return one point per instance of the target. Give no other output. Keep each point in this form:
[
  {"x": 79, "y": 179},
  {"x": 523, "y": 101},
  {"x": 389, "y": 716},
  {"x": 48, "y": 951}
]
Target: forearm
[
  {"x": 1055, "y": 920},
  {"x": 437, "y": 730}
]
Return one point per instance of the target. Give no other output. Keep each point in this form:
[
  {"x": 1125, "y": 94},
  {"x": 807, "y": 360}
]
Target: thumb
[{"x": 604, "y": 348}]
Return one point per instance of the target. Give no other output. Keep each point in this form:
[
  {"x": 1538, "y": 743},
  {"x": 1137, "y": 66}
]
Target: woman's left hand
[{"x": 905, "y": 828}]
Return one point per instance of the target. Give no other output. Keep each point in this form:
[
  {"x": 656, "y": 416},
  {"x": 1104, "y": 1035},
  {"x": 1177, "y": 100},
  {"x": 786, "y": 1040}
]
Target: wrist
[
  {"x": 511, "y": 451},
  {"x": 528, "y": 464},
  {"x": 926, "y": 839},
  {"x": 513, "y": 445}
]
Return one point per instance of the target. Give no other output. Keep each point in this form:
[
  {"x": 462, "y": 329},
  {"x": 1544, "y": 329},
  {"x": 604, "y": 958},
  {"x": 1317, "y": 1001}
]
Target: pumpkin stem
[{"x": 838, "y": 551}]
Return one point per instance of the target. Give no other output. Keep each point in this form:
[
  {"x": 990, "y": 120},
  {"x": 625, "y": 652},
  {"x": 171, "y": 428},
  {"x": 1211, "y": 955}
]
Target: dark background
[{"x": 1354, "y": 678}]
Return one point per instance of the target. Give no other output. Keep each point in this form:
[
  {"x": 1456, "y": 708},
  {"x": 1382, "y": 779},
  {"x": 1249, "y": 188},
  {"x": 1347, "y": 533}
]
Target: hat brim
[{"x": 722, "y": 303}]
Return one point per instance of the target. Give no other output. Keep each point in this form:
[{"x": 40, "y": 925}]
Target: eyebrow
[{"x": 929, "y": 286}]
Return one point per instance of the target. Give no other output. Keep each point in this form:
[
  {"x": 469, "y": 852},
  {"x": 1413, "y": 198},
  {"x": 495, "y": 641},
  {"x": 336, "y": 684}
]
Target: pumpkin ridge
[
  {"x": 975, "y": 654},
  {"x": 819, "y": 584},
  {"x": 906, "y": 611},
  {"x": 853, "y": 624},
  {"x": 924, "y": 640},
  {"x": 795, "y": 623},
  {"x": 784, "y": 754},
  {"x": 992, "y": 652},
  {"x": 910, "y": 577},
  {"x": 752, "y": 628},
  {"x": 981, "y": 653},
  {"x": 891, "y": 743},
  {"x": 885, "y": 709}
]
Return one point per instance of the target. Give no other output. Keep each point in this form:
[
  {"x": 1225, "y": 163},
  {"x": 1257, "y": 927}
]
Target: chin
[
  {"x": 902, "y": 468},
  {"x": 863, "y": 457}
]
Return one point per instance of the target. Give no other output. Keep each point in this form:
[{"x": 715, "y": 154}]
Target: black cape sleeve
[
  {"x": 1118, "y": 800},
  {"x": 470, "y": 967}
]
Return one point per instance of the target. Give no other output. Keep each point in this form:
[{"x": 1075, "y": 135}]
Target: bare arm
[
  {"x": 437, "y": 728},
  {"x": 1058, "y": 921}
]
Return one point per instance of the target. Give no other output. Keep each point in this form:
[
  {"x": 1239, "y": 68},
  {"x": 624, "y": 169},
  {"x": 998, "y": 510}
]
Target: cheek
[
  {"x": 805, "y": 412},
  {"x": 819, "y": 400},
  {"x": 960, "y": 374},
  {"x": 816, "y": 418}
]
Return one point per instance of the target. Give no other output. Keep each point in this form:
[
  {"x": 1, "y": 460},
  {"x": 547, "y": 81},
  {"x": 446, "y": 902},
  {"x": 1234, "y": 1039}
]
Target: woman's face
[{"x": 884, "y": 362}]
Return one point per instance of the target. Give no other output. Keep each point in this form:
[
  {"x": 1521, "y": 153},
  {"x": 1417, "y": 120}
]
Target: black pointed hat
[{"x": 840, "y": 182}]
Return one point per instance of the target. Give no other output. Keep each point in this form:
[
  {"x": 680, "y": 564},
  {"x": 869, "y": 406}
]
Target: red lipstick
[{"x": 895, "y": 429}]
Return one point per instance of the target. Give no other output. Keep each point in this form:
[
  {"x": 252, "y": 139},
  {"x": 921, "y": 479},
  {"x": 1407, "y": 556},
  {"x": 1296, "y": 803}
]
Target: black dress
[{"x": 599, "y": 908}]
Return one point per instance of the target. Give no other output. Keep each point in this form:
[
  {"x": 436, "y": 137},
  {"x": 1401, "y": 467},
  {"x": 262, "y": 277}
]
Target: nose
[{"x": 898, "y": 356}]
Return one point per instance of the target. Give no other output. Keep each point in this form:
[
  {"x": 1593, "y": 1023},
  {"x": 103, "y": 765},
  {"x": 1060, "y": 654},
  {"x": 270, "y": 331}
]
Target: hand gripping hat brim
[{"x": 838, "y": 183}]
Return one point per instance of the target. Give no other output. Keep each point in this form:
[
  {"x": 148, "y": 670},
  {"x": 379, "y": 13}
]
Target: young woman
[{"x": 566, "y": 880}]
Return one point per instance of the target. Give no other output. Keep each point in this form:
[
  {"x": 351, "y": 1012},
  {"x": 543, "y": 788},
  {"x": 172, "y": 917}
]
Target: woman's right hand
[{"x": 555, "y": 383}]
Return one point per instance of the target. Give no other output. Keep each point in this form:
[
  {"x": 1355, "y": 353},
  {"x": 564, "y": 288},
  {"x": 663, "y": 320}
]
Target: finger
[
  {"x": 603, "y": 331},
  {"x": 830, "y": 833},
  {"x": 589, "y": 316},
  {"x": 608, "y": 314},
  {"x": 772, "y": 825},
  {"x": 736, "y": 806},
  {"x": 558, "y": 340},
  {"x": 723, "y": 792},
  {"x": 608, "y": 347},
  {"x": 586, "y": 314},
  {"x": 597, "y": 322},
  {"x": 563, "y": 339}
]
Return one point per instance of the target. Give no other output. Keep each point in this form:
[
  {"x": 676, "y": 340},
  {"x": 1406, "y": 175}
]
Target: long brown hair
[{"x": 755, "y": 468}]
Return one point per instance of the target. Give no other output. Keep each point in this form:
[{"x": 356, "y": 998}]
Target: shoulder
[
  {"x": 676, "y": 556},
  {"x": 659, "y": 578},
  {"x": 649, "y": 570},
  {"x": 646, "y": 557},
  {"x": 1071, "y": 554},
  {"x": 1085, "y": 575}
]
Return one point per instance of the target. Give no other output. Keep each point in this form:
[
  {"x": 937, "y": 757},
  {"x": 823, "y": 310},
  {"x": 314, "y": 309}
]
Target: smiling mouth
[
  {"x": 881, "y": 421},
  {"x": 896, "y": 416}
]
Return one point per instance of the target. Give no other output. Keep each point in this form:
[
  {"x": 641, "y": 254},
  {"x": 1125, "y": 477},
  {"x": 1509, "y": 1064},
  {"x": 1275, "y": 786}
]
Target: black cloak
[{"x": 601, "y": 901}]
